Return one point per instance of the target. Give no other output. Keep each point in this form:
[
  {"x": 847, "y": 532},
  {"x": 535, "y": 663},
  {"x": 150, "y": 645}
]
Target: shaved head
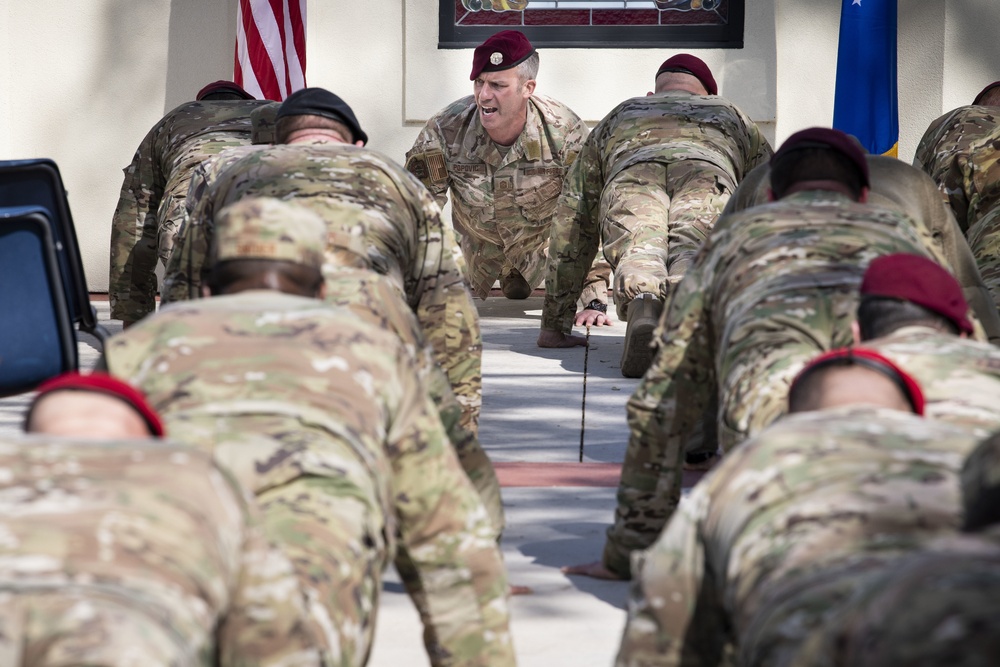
[
  {"x": 680, "y": 81},
  {"x": 838, "y": 385},
  {"x": 85, "y": 414}
]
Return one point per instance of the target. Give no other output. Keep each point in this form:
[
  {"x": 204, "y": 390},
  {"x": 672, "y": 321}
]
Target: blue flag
[{"x": 866, "y": 104}]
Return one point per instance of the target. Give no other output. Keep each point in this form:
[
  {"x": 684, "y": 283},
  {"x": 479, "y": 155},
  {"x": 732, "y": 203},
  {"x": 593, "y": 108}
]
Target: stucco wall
[{"x": 82, "y": 82}]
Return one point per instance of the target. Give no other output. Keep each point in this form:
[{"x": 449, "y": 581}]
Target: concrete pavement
[{"x": 557, "y": 509}]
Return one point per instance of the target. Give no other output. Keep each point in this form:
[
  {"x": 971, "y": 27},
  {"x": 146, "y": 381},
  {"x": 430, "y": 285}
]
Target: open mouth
[{"x": 488, "y": 111}]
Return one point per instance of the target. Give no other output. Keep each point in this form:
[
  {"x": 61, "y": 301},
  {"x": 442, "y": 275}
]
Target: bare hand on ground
[{"x": 592, "y": 318}]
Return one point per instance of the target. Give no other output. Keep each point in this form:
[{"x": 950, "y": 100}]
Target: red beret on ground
[
  {"x": 223, "y": 85},
  {"x": 921, "y": 281},
  {"x": 505, "y": 49},
  {"x": 862, "y": 356},
  {"x": 984, "y": 91},
  {"x": 103, "y": 383},
  {"x": 685, "y": 62},
  {"x": 825, "y": 137}
]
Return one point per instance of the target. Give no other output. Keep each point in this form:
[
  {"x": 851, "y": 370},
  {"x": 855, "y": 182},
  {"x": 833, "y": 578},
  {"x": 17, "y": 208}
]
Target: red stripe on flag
[
  {"x": 296, "y": 11},
  {"x": 264, "y": 36}
]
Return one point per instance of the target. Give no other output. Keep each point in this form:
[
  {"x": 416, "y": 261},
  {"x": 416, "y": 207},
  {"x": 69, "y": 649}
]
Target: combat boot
[
  {"x": 643, "y": 316},
  {"x": 514, "y": 286}
]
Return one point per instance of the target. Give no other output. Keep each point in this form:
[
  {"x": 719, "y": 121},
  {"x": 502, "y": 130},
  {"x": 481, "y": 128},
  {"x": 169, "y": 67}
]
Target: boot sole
[{"x": 637, "y": 356}]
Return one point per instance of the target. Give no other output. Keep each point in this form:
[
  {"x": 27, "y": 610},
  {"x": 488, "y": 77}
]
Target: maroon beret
[
  {"x": 505, "y": 49},
  {"x": 921, "y": 281},
  {"x": 103, "y": 383},
  {"x": 689, "y": 64},
  {"x": 825, "y": 137},
  {"x": 223, "y": 85},
  {"x": 863, "y": 356},
  {"x": 985, "y": 90}
]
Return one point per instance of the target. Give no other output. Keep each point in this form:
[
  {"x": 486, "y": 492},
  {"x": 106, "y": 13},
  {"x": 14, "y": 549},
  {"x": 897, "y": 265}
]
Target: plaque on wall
[{"x": 596, "y": 23}]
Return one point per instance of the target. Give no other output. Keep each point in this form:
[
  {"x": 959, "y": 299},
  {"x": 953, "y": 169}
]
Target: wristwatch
[{"x": 598, "y": 306}]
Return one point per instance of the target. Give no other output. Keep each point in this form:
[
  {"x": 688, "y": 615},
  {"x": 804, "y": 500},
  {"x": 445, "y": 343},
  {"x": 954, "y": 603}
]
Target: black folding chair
[
  {"x": 37, "y": 183},
  {"x": 37, "y": 341}
]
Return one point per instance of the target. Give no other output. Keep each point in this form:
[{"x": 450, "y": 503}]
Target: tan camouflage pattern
[
  {"x": 960, "y": 378},
  {"x": 772, "y": 542},
  {"x": 138, "y": 553},
  {"x": 375, "y": 299},
  {"x": 650, "y": 181},
  {"x": 359, "y": 192},
  {"x": 937, "y": 606},
  {"x": 899, "y": 186},
  {"x": 324, "y": 417},
  {"x": 961, "y": 154},
  {"x": 502, "y": 204},
  {"x": 771, "y": 288},
  {"x": 151, "y": 205},
  {"x": 265, "y": 228}
]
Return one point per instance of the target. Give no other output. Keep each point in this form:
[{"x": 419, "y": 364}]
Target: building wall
[{"x": 82, "y": 82}]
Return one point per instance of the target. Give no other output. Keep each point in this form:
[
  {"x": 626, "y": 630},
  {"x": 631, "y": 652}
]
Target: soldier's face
[{"x": 502, "y": 101}]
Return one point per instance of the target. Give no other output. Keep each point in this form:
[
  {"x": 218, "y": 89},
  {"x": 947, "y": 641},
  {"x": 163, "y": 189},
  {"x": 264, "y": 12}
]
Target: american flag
[{"x": 271, "y": 47}]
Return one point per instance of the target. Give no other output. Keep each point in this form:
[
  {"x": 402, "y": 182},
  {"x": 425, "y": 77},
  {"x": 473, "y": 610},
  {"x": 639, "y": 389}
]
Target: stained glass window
[{"x": 596, "y": 23}]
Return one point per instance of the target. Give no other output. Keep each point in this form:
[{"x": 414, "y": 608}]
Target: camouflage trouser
[
  {"x": 333, "y": 532},
  {"x": 759, "y": 364},
  {"x": 789, "y": 612},
  {"x": 80, "y": 626},
  {"x": 984, "y": 240},
  {"x": 929, "y": 608},
  {"x": 169, "y": 221},
  {"x": 654, "y": 217}
]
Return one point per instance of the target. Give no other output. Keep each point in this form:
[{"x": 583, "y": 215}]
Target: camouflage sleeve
[
  {"x": 760, "y": 149},
  {"x": 182, "y": 277},
  {"x": 598, "y": 279},
  {"x": 425, "y": 160},
  {"x": 751, "y": 191},
  {"x": 445, "y": 309},
  {"x": 574, "y": 240},
  {"x": 449, "y": 557},
  {"x": 674, "y": 612},
  {"x": 267, "y": 622},
  {"x": 952, "y": 242},
  {"x": 948, "y": 168},
  {"x": 134, "y": 233},
  {"x": 662, "y": 413}
]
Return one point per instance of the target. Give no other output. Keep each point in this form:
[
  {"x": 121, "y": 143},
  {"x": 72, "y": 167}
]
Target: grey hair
[{"x": 528, "y": 69}]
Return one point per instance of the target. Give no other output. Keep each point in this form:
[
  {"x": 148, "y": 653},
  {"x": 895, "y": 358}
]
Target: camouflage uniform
[
  {"x": 324, "y": 417},
  {"x": 502, "y": 205},
  {"x": 960, "y": 377},
  {"x": 151, "y": 205},
  {"x": 899, "y": 186},
  {"x": 373, "y": 298},
  {"x": 359, "y": 192},
  {"x": 937, "y": 606},
  {"x": 785, "y": 529},
  {"x": 138, "y": 553},
  {"x": 649, "y": 182},
  {"x": 770, "y": 289},
  {"x": 961, "y": 152}
]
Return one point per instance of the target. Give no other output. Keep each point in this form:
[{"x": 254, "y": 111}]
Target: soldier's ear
[
  {"x": 863, "y": 199},
  {"x": 770, "y": 195},
  {"x": 529, "y": 88},
  {"x": 205, "y": 292},
  {"x": 856, "y": 332},
  {"x": 649, "y": 93}
]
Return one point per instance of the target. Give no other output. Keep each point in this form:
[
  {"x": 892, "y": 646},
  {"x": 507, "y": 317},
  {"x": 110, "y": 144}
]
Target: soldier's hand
[
  {"x": 595, "y": 570},
  {"x": 549, "y": 338},
  {"x": 592, "y": 318}
]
